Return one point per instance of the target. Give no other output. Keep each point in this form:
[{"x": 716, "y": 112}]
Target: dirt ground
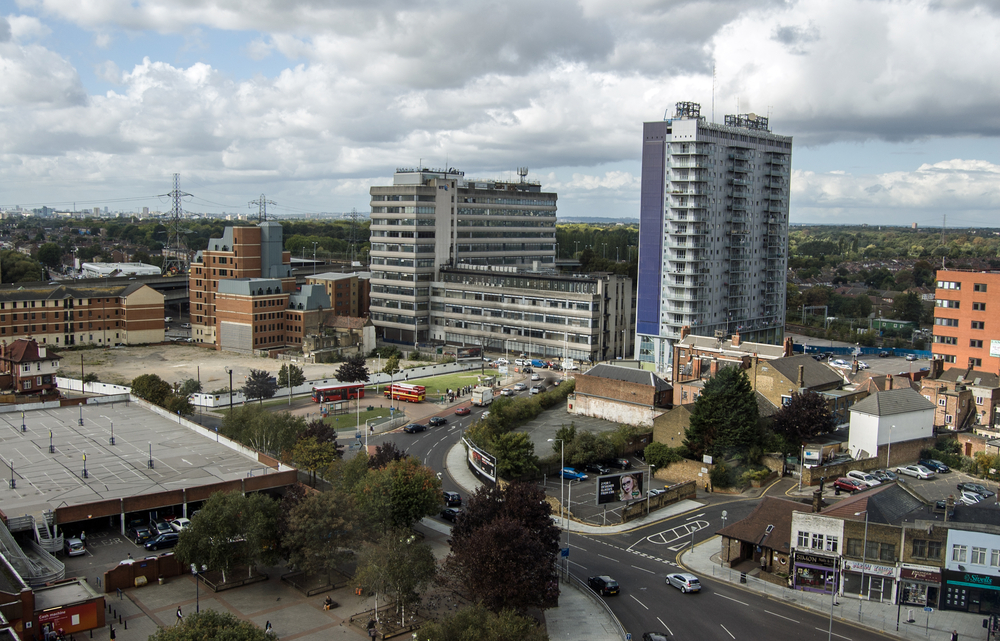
[{"x": 180, "y": 361}]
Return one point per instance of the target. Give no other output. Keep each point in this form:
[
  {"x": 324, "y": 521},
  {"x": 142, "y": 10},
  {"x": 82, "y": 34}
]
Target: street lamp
[
  {"x": 562, "y": 464},
  {"x": 197, "y": 575},
  {"x": 149, "y": 464},
  {"x": 229, "y": 370},
  {"x": 725, "y": 558},
  {"x": 13, "y": 483},
  {"x": 864, "y": 555},
  {"x": 367, "y": 430},
  {"x": 314, "y": 257},
  {"x": 649, "y": 486}
]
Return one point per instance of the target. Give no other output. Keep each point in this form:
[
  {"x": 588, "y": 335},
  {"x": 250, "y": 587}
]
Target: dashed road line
[
  {"x": 775, "y": 614},
  {"x": 732, "y": 599},
  {"x": 639, "y": 602},
  {"x": 727, "y": 631}
]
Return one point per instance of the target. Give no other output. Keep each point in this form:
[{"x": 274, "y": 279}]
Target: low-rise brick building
[
  {"x": 28, "y": 368},
  {"x": 621, "y": 394}
]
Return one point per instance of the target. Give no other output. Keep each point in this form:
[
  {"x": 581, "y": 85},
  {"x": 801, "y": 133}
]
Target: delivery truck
[{"x": 482, "y": 396}]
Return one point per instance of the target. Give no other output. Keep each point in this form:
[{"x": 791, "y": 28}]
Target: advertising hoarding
[
  {"x": 469, "y": 352},
  {"x": 482, "y": 462},
  {"x": 619, "y": 487}
]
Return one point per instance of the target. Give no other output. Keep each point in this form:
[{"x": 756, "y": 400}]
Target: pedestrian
[
  {"x": 267, "y": 628},
  {"x": 180, "y": 615},
  {"x": 112, "y": 633},
  {"x": 954, "y": 635},
  {"x": 83, "y": 537}
]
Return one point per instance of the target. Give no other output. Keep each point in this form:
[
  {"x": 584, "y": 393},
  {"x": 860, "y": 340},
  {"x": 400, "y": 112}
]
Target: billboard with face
[
  {"x": 619, "y": 487},
  {"x": 482, "y": 462}
]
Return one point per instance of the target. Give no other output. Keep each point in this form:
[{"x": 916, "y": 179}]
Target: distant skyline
[{"x": 892, "y": 104}]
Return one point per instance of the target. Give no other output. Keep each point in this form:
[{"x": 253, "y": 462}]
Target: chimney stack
[
  {"x": 789, "y": 351},
  {"x": 713, "y": 368},
  {"x": 685, "y": 331},
  {"x": 802, "y": 377},
  {"x": 736, "y": 339}
]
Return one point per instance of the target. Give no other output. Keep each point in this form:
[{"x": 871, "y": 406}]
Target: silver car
[
  {"x": 918, "y": 471},
  {"x": 684, "y": 582}
]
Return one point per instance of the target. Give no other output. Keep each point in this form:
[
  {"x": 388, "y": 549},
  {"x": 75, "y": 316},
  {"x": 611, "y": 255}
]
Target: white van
[
  {"x": 864, "y": 477},
  {"x": 168, "y": 319}
]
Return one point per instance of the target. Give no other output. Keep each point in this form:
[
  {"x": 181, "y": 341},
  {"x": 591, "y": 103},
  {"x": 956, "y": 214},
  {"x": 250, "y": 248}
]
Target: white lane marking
[
  {"x": 578, "y": 565},
  {"x": 727, "y": 631},
  {"x": 643, "y": 569},
  {"x": 732, "y": 599},
  {"x": 640, "y": 602},
  {"x": 835, "y": 634},
  {"x": 694, "y": 517},
  {"x": 573, "y": 545},
  {"x": 609, "y": 558},
  {"x": 665, "y": 625},
  {"x": 775, "y": 614}
]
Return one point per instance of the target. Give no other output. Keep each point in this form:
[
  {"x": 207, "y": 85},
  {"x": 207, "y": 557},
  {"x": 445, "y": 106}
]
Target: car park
[
  {"x": 597, "y": 468},
  {"x": 918, "y": 471},
  {"x": 462, "y": 411},
  {"x": 884, "y": 475},
  {"x": 451, "y": 513},
  {"x": 968, "y": 498},
  {"x": 864, "y": 477},
  {"x": 845, "y": 484},
  {"x": 520, "y": 387},
  {"x": 452, "y": 499},
  {"x": 684, "y": 582},
  {"x": 934, "y": 465},
  {"x": 603, "y": 585},
  {"x": 180, "y": 524},
  {"x": 413, "y": 428},
  {"x": 139, "y": 534},
  {"x": 435, "y": 421},
  {"x": 74, "y": 547},
  {"x": 620, "y": 463},
  {"x": 571, "y": 474},
  {"x": 977, "y": 488},
  {"x": 162, "y": 541}
]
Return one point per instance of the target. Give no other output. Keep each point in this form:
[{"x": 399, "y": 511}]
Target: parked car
[
  {"x": 884, "y": 475},
  {"x": 911, "y": 357},
  {"x": 597, "y": 468},
  {"x": 977, "y": 488},
  {"x": 935, "y": 465},
  {"x": 452, "y": 499},
  {"x": 185, "y": 325},
  {"x": 462, "y": 411},
  {"x": 139, "y": 533},
  {"x": 620, "y": 463},
  {"x": 572, "y": 474},
  {"x": 863, "y": 365},
  {"x": 434, "y": 421},
  {"x": 520, "y": 387},
  {"x": 840, "y": 363},
  {"x": 968, "y": 498},
  {"x": 684, "y": 582},
  {"x": 451, "y": 513},
  {"x": 846, "y": 484},
  {"x": 502, "y": 361},
  {"x": 74, "y": 547},
  {"x": 884, "y": 354},
  {"x": 556, "y": 382},
  {"x": 864, "y": 477},
  {"x": 918, "y": 471},
  {"x": 413, "y": 428},
  {"x": 159, "y": 527},
  {"x": 603, "y": 585},
  {"x": 180, "y": 524},
  {"x": 167, "y": 540}
]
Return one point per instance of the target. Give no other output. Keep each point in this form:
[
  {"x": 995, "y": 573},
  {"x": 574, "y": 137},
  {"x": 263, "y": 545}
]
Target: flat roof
[
  {"x": 63, "y": 594},
  {"x": 183, "y": 456}
]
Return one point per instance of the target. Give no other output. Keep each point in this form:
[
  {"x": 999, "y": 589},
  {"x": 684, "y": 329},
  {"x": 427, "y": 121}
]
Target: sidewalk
[{"x": 705, "y": 560}]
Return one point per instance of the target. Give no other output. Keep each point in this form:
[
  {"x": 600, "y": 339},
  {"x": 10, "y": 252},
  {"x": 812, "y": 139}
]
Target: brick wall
[
  {"x": 612, "y": 389},
  {"x": 614, "y": 410},
  {"x": 124, "y": 576}
]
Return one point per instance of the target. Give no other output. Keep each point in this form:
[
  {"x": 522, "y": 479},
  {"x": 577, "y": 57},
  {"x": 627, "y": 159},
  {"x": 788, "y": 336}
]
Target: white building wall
[
  {"x": 868, "y": 432},
  {"x": 990, "y": 543},
  {"x": 812, "y": 523}
]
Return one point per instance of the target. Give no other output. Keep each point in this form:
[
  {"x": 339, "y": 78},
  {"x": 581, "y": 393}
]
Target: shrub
[
  {"x": 721, "y": 476},
  {"x": 748, "y": 477},
  {"x": 660, "y": 455}
]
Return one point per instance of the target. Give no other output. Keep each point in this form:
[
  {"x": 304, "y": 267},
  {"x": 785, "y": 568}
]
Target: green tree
[
  {"x": 259, "y": 385},
  {"x": 384, "y": 454},
  {"x": 290, "y": 376},
  {"x": 391, "y": 365},
  {"x": 255, "y": 427},
  {"x": 311, "y": 455},
  {"x": 398, "y": 565},
  {"x": 724, "y": 419},
  {"x": 177, "y": 404},
  {"x": 475, "y": 622},
  {"x": 321, "y": 532},
  {"x": 354, "y": 370},
  {"x": 90, "y": 377},
  {"x": 232, "y": 530},
  {"x": 907, "y": 306},
  {"x": 515, "y": 454},
  {"x": 189, "y": 386},
  {"x": 589, "y": 447},
  {"x": 18, "y": 268},
  {"x": 806, "y": 415},
  {"x": 209, "y": 624},
  {"x": 152, "y": 388},
  {"x": 50, "y": 255},
  {"x": 399, "y": 494}
]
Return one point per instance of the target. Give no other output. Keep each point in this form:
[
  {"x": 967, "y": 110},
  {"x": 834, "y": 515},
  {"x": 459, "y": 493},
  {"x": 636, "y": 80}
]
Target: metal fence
[{"x": 593, "y": 596}]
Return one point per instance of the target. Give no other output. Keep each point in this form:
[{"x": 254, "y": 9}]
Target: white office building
[{"x": 713, "y": 235}]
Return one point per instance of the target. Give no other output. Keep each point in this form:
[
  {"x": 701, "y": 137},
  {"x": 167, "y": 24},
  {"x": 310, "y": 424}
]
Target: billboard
[
  {"x": 994, "y": 348},
  {"x": 469, "y": 352},
  {"x": 619, "y": 487},
  {"x": 482, "y": 462}
]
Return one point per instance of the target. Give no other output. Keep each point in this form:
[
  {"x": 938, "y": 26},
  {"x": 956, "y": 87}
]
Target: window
[
  {"x": 941, "y": 402},
  {"x": 946, "y": 322},
  {"x": 950, "y": 304},
  {"x": 958, "y": 553},
  {"x": 995, "y": 558},
  {"x": 975, "y": 362},
  {"x": 817, "y": 541},
  {"x": 979, "y": 556},
  {"x": 975, "y": 343},
  {"x": 831, "y": 543},
  {"x": 854, "y": 547},
  {"x": 803, "y": 541},
  {"x": 975, "y": 324},
  {"x": 979, "y": 287},
  {"x": 979, "y": 307},
  {"x": 944, "y": 284}
]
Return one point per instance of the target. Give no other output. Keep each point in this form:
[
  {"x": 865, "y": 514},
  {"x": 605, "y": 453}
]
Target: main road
[{"x": 640, "y": 559}]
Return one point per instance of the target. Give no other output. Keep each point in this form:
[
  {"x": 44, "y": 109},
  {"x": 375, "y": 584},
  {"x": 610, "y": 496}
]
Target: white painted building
[
  {"x": 816, "y": 544},
  {"x": 892, "y": 416}
]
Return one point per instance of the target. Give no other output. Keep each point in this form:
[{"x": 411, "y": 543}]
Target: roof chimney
[
  {"x": 888, "y": 382},
  {"x": 788, "y": 347},
  {"x": 736, "y": 339},
  {"x": 802, "y": 376},
  {"x": 685, "y": 330}
]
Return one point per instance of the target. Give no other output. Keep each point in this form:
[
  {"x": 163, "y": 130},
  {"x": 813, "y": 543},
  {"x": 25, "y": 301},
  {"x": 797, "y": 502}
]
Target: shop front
[
  {"x": 815, "y": 573},
  {"x": 976, "y": 593},
  {"x": 920, "y": 585},
  {"x": 868, "y": 580}
]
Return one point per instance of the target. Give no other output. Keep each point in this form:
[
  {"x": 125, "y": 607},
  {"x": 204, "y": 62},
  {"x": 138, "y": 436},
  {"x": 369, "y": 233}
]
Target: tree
[
  {"x": 476, "y": 622},
  {"x": 384, "y": 454},
  {"x": 271, "y": 433},
  {"x": 232, "y": 529},
  {"x": 354, "y": 370},
  {"x": 291, "y": 376},
  {"x": 399, "y": 494},
  {"x": 515, "y": 454},
  {"x": 15, "y": 267},
  {"x": 805, "y": 416},
  {"x": 152, "y": 388},
  {"x": 322, "y": 529},
  {"x": 724, "y": 419},
  {"x": 589, "y": 447},
  {"x": 50, "y": 255},
  {"x": 907, "y": 306},
  {"x": 90, "y": 377},
  {"x": 504, "y": 548},
  {"x": 259, "y": 385},
  {"x": 311, "y": 455},
  {"x": 391, "y": 365},
  {"x": 209, "y": 624},
  {"x": 398, "y": 564},
  {"x": 177, "y": 404},
  {"x": 189, "y": 386}
]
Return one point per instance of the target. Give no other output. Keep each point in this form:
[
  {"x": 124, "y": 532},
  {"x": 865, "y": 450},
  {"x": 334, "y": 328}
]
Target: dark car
[
  {"x": 167, "y": 540},
  {"x": 413, "y": 428},
  {"x": 597, "y": 468},
  {"x": 977, "y": 488},
  {"x": 462, "y": 411},
  {"x": 654, "y": 636},
  {"x": 884, "y": 475},
  {"x": 620, "y": 463},
  {"x": 884, "y": 354},
  {"x": 140, "y": 534},
  {"x": 603, "y": 585},
  {"x": 434, "y": 421},
  {"x": 848, "y": 485},
  {"x": 452, "y": 499},
  {"x": 451, "y": 513},
  {"x": 934, "y": 465}
]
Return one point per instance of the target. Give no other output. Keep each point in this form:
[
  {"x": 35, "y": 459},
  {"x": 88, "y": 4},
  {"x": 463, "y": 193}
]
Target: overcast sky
[{"x": 893, "y": 105}]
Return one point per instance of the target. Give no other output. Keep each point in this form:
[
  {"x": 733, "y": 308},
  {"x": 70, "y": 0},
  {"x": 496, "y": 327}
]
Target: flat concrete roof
[
  {"x": 63, "y": 594},
  {"x": 182, "y": 457}
]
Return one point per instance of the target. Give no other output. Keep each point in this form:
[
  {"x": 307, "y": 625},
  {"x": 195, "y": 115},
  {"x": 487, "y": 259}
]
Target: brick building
[
  {"x": 621, "y": 394},
  {"x": 966, "y": 306},
  {"x": 962, "y": 397},
  {"x": 62, "y": 315},
  {"x": 350, "y": 294},
  {"x": 258, "y": 314},
  {"x": 28, "y": 368}
]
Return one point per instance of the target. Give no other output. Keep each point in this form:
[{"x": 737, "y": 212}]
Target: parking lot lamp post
[
  {"x": 649, "y": 486},
  {"x": 229, "y": 370},
  {"x": 197, "y": 575},
  {"x": 562, "y": 464}
]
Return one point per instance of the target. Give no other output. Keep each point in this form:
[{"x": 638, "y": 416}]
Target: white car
[
  {"x": 969, "y": 498},
  {"x": 536, "y": 377},
  {"x": 863, "y": 365},
  {"x": 180, "y": 524},
  {"x": 840, "y": 363},
  {"x": 864, "y": 477},
  {"x": 74, "y": 547},
  {"x": 918, "y": 471},
  {"x": 502, "y": 361}
]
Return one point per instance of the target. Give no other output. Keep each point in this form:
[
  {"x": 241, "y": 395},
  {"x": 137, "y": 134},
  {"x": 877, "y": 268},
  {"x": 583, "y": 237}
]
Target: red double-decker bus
[
  {"x": 342, "y": 392},
  {"x": 406, "y": 392}
]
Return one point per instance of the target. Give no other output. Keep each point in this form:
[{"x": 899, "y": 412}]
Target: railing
[{"x": 593, "y": 596}]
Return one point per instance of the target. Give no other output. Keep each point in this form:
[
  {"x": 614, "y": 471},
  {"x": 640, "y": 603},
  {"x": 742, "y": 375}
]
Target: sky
[{"x": 893, "y": 105}]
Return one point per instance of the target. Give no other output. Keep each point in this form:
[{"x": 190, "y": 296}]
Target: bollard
[
  {"x": 126, "y": 624},
  {"x": 909, "y": 616},
  {"x": 114, "y": 615},
  {"x": 119, "y": 618}
]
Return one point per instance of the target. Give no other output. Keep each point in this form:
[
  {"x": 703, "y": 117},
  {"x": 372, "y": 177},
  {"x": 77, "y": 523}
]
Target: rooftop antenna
[
  {"x": 522, "y": 172},
  {"x": 262, "y": 204},
  {"x": 713, "y": 92}
]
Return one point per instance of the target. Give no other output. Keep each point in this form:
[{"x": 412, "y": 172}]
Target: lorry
[{"x": 482, "y": 396}]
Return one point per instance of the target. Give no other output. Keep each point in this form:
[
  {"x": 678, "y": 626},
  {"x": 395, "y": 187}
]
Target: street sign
[
  {"x": 564, "y": 552},
  {"x": 928, "y": 609},
  {"x": 628, "y": 636}
]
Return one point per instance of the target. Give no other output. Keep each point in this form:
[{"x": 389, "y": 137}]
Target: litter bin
[{"x": 160, "y": 580}]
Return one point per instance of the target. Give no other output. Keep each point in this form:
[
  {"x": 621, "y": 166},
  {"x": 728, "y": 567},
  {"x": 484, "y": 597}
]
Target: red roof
[{"x": 25, "y": 350}]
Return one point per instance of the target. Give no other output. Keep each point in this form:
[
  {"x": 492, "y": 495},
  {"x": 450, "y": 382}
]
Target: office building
[
  {"x": 965, "y": 332},
  {"x": 713, "y": 237}
]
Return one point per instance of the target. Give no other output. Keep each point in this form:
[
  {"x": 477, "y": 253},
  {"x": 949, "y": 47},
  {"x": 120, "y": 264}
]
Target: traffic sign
[
  {"x": 928, "y": 609},
  {"x": 564, "y": 552}
]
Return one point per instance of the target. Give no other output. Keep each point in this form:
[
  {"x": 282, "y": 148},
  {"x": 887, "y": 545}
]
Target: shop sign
[
  {"x": 815, "y": 559},
  {"x": 869, "y": 568},
  {"x": 920, "y": 575},
  {"x": 969, "y": 579}
]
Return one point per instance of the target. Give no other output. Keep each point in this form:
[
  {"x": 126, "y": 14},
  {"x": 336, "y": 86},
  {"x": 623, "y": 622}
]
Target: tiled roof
[
  {"x": 25, "y": 350},
  {"x": 894, "y": 401},
  {"x": 770, "y": 511},
  {"x": 44, "y": 291},
  {"x": 889, "y": 503},
  {"x": 763, "y": 350},
  {"x": 814, "y": 373},
  {"x": 628, "y": 375},
  {"x": 970, "y": 376},
  {"x": 764, "y": 407},
  {"x": 345, "y": 322}
]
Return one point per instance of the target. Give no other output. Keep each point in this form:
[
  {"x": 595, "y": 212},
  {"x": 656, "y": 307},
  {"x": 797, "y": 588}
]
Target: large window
[
  {"x": 979, "y": 556},
  {"x": 803, "y": 540},
  {"x": 959, "y": 553},
  {"x": 927, "y": 549}
]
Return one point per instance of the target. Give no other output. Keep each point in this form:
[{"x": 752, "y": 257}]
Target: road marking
[
  {"x": 732, "y": 599},
  {"x": 578, "y": 565},
  {"x": 609, "y": 558},
  {"x": 643, "y": 569},
  {"x": 665, "y": 625},
  {"x": 573, "y": 545},
  {"x": 835, "y": 634},
  {"x": 694, "y": 516},
  {"x": 775, "y": 614},
  {"x": 727, "y": 631},
  {"x": 639, "y": 602}
]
